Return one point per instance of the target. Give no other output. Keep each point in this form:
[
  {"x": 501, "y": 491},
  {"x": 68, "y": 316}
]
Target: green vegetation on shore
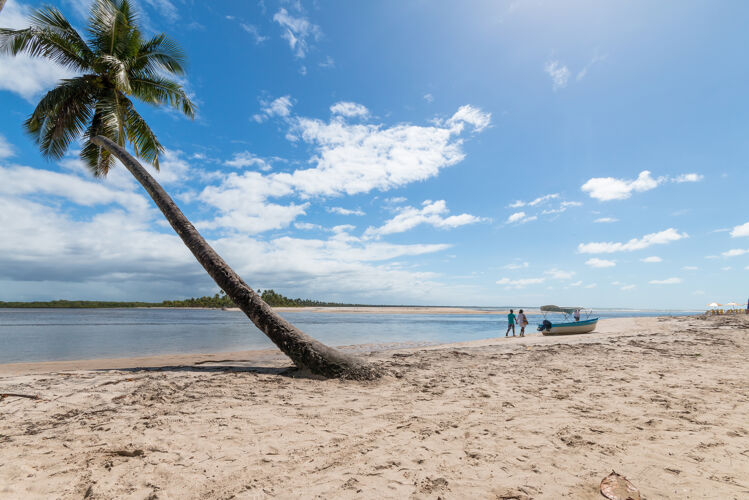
[{"x": 273, "y": 298}]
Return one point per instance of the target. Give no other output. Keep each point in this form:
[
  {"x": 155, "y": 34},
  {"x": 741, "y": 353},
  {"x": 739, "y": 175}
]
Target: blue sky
[{"x": 480, "y": 153}]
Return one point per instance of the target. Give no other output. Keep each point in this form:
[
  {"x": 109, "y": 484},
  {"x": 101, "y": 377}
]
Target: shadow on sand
[{"x": 216, "y": 367}]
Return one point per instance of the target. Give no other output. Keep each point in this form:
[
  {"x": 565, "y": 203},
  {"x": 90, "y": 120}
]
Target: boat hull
[{"x": 572, "y": 328}]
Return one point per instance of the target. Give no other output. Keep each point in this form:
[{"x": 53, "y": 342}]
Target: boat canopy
[{"x": 565, "y": 310}]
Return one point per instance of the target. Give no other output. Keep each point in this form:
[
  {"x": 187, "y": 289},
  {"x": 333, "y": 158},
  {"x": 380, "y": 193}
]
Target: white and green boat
[{"x": 571, "y": 324}]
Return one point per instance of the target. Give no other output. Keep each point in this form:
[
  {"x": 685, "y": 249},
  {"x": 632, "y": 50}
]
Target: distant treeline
[{"x": 217, "y": 301}]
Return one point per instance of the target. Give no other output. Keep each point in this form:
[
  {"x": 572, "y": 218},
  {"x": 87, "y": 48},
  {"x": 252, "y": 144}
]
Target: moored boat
[
  {"x": 571, "y": 328},
  {"x": 566, "y": 327}
]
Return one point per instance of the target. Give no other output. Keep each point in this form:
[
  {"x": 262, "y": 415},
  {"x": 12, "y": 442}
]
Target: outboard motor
[{"x": 546, "y": 325}]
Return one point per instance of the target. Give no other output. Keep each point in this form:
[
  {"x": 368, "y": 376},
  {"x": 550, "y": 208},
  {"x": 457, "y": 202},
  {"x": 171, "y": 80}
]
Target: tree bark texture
[{"x": 307, "y": 353}]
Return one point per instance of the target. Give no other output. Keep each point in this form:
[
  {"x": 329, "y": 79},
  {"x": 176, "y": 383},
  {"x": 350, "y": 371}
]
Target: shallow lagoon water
[{"x": 67, "y": 334}]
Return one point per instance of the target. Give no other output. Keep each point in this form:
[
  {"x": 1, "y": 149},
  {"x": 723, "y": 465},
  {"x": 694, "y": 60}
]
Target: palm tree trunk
[
  {"x": 307, "y": 353},
  {"x": 2, "y": 4}
]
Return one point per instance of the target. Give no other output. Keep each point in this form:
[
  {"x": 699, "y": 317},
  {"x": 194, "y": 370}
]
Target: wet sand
[{"x": 663, "y": 401}]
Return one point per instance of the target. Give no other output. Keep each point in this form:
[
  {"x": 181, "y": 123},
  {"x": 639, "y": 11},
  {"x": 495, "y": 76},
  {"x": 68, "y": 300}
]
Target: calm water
[{"x": 65, "y": 334}]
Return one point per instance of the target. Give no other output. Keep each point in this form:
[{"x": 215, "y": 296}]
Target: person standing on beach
[
  {"x": 510, "y": 323},
  {"x": 522, "y": 322}
]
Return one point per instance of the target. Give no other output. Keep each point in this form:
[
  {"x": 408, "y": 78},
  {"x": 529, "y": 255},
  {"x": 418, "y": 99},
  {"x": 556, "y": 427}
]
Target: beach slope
[{"x": 662, "y": 401}]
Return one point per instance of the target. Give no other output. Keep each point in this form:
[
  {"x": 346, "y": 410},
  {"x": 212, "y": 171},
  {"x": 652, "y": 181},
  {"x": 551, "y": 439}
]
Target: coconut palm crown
[{"x": 116, "y": 64}]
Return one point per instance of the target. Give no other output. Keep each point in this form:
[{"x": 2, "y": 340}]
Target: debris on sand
[{"x": 616, "y": 487}]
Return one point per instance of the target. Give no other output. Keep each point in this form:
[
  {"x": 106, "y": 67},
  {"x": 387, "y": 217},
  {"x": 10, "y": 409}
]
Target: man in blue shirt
[{"x": 511, "y": 323}]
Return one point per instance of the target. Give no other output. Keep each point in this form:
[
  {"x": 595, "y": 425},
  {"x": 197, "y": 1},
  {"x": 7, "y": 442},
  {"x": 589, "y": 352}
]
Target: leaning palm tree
[{"x": 115, "y": 64}]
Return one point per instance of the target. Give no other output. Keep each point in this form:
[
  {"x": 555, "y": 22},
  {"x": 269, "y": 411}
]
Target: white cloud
[
  {"x": 690, "y": 268},
  {"x": 28, "y": 76},
  {"x": 24, "y": 75},
  {"x": 254, "y": 31},
  {"x": 667, "y": 281},
  {"x": 277, "y": 107},
  {"x": 689, "y": 178},
  {"x": 517, "y": 265},
  {"x": 242, "y": 202},
  {"x": 165, "y": 8},
  {"x": 628, "y": 287},
  {"x": 247, "y": 159},
  {"x": 609, "y": 188},
  {"x": 395, "y": 200},
  {"x": 470, "y": 115},
  {"x": 344, "y": 211},
  {"x": 349, "y": 159},
  {"x": 551, "y": 211},
  {"x": 22, "y": 181},
  {"x": 596, "y": 59},
  {"x": 297, "y": 31},
  {"x": 357, "y": 158},
  {"x": 520, "y": 282},
  {"x": 735, "y": 252},
  {"x": 174, "y": 169},
  {"x": 542, "y": 199},
  {"x": 563, "y": 206},
  {"x": 559, "y": 274},
  {"x": 559, "y": 74},
  {"x": 340, "y": 267},
  {"x": 652, "y": 260},
  {"x": 660, "y": 238},
  {"x": 6, "y": 149},
  {"x": 605, "y": 220},
  {"x": 742, "y": 230},
  {"x": 349, "y": 109},
  {"x": 307, "y": 225},
  {"x": 429, "y": 98},
  {"x": 433, "y": 213},
  {"x": 727, "y": 268},
  {"x": 595, "y": 262},
  {"x": 118, "y": 255},
  {"x": 591, "y": 285},
  {"x": 246, "y": 202},
  {"x": 520, "y": 218}
]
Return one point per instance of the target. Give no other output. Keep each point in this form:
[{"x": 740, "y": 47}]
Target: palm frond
[
  {"x": 96, "y": 158},
  {"x": 112, "y": 112},
  {"x": 110, "y": 25},
  {"x": 140, "y": 135},
  {"x": 162, "y": 91},
  {"x": 61, "y": 116},
  {"x": 118, "y": 71},
  {"x": 50, "y": 35},
  {"x": 118, "y": 64},
  {"x": 160, "y": 53}
]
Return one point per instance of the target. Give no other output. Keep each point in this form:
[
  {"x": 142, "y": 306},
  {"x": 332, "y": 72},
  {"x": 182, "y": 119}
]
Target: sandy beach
[{"x": 662, "y": 401}]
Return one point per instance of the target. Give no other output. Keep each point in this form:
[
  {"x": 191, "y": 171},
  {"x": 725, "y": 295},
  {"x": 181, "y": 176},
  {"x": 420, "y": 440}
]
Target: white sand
[{"x": 663, "y": 402}]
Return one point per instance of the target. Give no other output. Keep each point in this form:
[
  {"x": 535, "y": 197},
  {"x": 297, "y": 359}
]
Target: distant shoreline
[
  {"x": 361, "y": 309},
  {"x": 326, "y": 309},
  {"x": 394, "y": 310}
]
